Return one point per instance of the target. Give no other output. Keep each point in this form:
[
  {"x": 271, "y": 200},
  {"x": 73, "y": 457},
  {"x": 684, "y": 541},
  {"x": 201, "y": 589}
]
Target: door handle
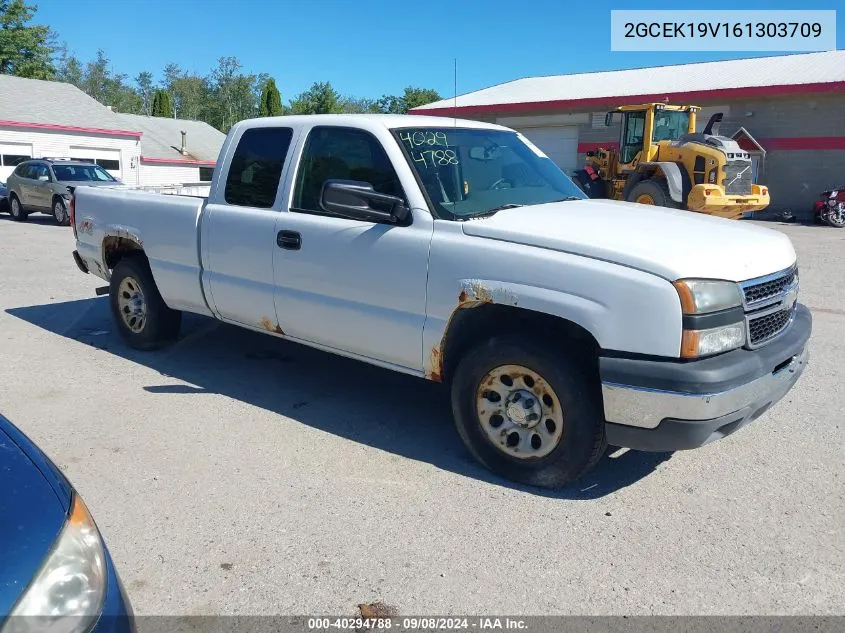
[{"x": 289, "y": 240}]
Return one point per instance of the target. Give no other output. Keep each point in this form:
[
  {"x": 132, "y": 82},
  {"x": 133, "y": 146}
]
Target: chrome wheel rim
[
  {"x": 16, "y": 207},
  {"x": 519, "y": 412},
  {"x": 59, "y": 212},
  {"x": 132, "y": 305}
]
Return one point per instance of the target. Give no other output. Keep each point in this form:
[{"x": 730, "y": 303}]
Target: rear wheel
[
  {"x": 143, "y": 319},
  {"x": 528, "y": 413},
  {"x": 16, "y": 209},
  {"x": 60, "y": 212},
  {"x": 835, "y": 216},
  {"x": 654, "y": 192}
]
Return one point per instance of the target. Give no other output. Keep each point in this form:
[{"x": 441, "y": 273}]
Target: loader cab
[{"x": 644, "y": 126}]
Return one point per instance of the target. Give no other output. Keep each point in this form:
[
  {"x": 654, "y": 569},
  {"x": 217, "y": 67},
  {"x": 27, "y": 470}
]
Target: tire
[
  {"x": 569, "y": 398},
  {"x": 835, "y": 218},
  {"x": 60, "y": 214},
  {"x": 655, "y": 190},
  {"x": 16, "y": 209},
  {"x": 154, "y": 325}
]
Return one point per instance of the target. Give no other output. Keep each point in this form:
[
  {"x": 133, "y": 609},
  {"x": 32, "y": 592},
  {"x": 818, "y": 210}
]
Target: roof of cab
[{"x": 368, "y": 121}]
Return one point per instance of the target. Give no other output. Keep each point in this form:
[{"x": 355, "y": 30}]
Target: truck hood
[{"x": 671, "y": 243}]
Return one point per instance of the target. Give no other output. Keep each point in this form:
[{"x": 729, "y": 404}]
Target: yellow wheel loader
[{"x": 661, "y": 160}]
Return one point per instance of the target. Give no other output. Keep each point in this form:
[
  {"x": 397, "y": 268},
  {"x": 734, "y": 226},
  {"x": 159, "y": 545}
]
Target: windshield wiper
[
  {"x": 494, "y": 210},
  {"x": 568, "y": 198}
]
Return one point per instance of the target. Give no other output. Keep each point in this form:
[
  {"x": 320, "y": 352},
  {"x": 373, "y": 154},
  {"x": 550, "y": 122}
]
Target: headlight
[
  {"x": 695, "y": 343},
  {"x": 701, "y": 299},
  {"x": 68, "y": 591},
  {"x": 699, "y": 296}
]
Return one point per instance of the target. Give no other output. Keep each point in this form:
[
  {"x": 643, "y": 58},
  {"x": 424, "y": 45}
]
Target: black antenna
[{"x": 456, "y": 93}]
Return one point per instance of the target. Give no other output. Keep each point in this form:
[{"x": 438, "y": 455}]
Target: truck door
[
  {"x": 238, "y": 236},
  {"x": 347, "y": 284}
]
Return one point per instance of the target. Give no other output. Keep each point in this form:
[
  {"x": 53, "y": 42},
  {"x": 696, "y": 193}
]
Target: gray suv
[{"x": 40, "y": 186}]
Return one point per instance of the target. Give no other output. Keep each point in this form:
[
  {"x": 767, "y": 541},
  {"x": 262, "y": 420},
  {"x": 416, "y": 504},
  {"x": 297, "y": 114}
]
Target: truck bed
[{"x": 165, "y": 226}]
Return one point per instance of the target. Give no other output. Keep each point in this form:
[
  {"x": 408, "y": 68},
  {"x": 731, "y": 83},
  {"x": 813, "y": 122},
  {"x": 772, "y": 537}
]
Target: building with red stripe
[
  {"x": 788, "y": 111},
  {"x": 41, "y": 119}
]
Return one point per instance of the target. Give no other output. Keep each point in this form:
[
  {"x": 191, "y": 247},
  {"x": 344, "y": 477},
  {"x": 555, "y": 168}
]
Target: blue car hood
[{"x": 34, "y": 501}]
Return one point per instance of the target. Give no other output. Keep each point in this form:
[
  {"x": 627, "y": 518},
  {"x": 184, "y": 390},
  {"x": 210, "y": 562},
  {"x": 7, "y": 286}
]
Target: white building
[{"x": 41, "y": 119}]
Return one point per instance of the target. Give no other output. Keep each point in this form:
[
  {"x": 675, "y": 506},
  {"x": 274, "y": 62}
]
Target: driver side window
[
  {"x": 633, "y": 137},
  {"x": 343, "y": 154}
]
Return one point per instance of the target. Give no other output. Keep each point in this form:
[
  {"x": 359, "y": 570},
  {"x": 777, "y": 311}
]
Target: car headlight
[
  {"x": 68, "y": 591},
  {"x": 700, "y": 296},
  {"x": 695, "y": 343},
  {"x": 710, "y": 298}
]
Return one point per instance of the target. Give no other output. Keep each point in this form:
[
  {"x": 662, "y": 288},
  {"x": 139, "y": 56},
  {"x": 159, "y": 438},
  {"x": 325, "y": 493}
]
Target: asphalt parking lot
[{"x": 234, "y": 473}]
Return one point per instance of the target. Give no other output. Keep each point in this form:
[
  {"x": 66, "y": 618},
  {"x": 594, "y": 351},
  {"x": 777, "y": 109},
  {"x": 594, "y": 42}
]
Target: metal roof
[
  {"x": 53, "y": 104},
  {"x": 762, "y": 75},
  {"x": 162, "y": 138}
]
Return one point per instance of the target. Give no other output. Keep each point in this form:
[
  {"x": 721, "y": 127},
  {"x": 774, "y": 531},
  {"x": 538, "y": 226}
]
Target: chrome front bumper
[
  {"x": 673, "y": 405},
  {"x": 646, "y": 408}
]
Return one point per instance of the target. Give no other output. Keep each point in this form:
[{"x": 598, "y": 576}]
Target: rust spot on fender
[
  {"x": 268, "y": 325},
  {"x": 475, "y": 292},
  {"x": 435, "y": 362}
]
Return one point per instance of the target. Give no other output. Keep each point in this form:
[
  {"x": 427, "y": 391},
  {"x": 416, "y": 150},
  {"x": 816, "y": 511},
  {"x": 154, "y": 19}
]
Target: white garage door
[
  {"x": 108, "y": 159},
  {"x": 560, "y": 143},
  {"x": 11, "y": 154}
]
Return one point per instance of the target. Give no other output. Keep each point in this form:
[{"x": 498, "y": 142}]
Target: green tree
[
  {"x": 320, "y": 98},
  {"x": 25, "y": 50},
  {"x": 69, "y": 70},
  {"x": 145, "y": 90},
  {"x": 411, "y": 98},
  {"x": 359, "y": 105},
  {"x": 415, "y": 97},
  {"x": 162, "y": 105},
  {"x": 191, "y": 94},
  {"x": 96, "y": 76},
  {"x": 270, "y": 102},
  {"x": 234, "y": 94}
]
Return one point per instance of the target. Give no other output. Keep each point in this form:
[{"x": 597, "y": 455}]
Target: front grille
[
  {"x": 768, "y": 289},
  {"x": 737, "y": 177},
  {"x": 763, "y": 328}
]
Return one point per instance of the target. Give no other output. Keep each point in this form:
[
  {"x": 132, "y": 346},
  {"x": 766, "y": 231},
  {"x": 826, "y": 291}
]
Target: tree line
[{"x": 226, "y": 94}]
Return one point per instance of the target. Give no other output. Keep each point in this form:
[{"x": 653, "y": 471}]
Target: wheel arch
[
  {"x": 119, "y": 244},
  {"x": 673, "y": 174},
  {"x": 486, "y": 310}
]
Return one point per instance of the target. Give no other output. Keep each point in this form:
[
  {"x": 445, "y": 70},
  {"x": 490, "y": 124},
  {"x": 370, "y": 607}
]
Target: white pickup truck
[{"x": 457, "y": 251}]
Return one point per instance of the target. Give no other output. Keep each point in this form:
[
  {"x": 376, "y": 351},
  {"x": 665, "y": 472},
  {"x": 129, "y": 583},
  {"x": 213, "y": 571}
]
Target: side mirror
[
  {"x": 608, "y": 119},
  {"x": 44, "y": 178},
  {"x": 358, "y": 200}
]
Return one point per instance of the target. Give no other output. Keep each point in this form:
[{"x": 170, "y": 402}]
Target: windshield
[
  {"x": 473, "y": 172},
  {"x": 82, "y": 172},
  {"x": 670, "y": 125}
]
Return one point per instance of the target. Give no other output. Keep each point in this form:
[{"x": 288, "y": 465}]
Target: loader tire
[{"x": 653, "y": 192}]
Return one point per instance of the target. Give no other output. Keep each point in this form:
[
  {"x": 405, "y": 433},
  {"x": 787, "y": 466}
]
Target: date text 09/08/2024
[{"x": 417, "y": 624}]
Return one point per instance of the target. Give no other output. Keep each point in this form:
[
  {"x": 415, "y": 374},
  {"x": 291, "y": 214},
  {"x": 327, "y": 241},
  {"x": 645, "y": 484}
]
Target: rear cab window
[{"x": 256, "y": 167}]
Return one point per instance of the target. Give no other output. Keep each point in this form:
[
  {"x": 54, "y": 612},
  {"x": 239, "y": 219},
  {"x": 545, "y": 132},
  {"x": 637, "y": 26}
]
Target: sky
[{"x": 367, "y": 48}]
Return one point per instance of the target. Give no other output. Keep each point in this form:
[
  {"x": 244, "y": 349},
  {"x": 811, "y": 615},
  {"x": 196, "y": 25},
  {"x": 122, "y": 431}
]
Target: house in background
[
  {"x": 788, "y": 111},
  {"x": 52, "y": 119}
]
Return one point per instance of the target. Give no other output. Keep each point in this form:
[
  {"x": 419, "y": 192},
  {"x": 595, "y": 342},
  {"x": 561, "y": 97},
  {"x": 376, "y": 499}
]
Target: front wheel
[
  {"x": 16, "y": 209},
  {"x": 143, "y": 319},
  {"x": 654, "y": 192},
  {"x": 528, "y": 413}
]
